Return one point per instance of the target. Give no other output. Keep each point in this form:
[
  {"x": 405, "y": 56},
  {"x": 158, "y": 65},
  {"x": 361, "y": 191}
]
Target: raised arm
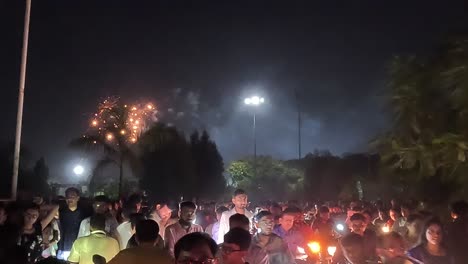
[{"x": 52, "y": 212}]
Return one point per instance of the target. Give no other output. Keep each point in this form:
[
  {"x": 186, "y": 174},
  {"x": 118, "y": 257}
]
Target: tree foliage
[
  {"x": 174, "y": 167},
  {"x": 266, "y": 178},
  {"x": 429, "y": 101}
]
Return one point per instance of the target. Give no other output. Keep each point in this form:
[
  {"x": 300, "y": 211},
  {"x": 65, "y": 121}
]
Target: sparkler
[{"x": 119, "y": 122}]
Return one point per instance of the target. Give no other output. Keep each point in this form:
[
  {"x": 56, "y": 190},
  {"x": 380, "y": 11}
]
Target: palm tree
[{"x": 111, "y": 135}]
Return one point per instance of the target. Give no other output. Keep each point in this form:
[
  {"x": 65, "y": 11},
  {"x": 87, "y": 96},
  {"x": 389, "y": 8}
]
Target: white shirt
[
  {"x": 125, "y": 233},
  {"x": 224, "y": 223},
  {"x": 85, "y": 226}
]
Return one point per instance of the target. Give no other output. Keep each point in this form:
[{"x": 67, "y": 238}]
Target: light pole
[
  {"x": 254, "y": 101},
  {"x": 19, "y": 116}
]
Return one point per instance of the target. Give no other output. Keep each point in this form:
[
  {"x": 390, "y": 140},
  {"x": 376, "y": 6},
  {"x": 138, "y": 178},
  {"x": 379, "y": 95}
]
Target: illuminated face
[
  {"x": 393, "y": 215},
  {"x": 30, "y": 216},
  {"x": 358, "y": 227},
  {"x": 287, "y": 221},
  {"x": 72, "y": 199},
  {"x": 265, "y": 225},
  {"x": 405, "y": 212},
  {"x": 164, "y": 212},
  {"x": 240, "y": 201},
  {"x": 187, "y": 214},
  {"x": 434, "y": 234}
]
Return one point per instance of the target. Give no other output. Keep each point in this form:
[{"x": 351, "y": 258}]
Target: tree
[
  {"x": 273, "y": 178},
  {"x": 114, "y": 130},
  {"x": 168, "y": 170},
  {"x": 429, "y": 101},
  {"x": 209, "y": 166}
]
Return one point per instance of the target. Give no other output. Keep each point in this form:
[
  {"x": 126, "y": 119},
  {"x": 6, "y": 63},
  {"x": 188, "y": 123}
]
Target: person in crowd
[
  {"x": 240, "y": 201},
  {"x": 213, "y": 229},
  {"x": 432, "y": 249},
  {"x": 394, "y": 214},
  {"x": 147, "y": 232},
  {"x": 381, "y": 220},
  {"x": 70, "y": 219},
  {"x": 369, "y": 225},
  {"x": 196, "y": 248},
  {"x": 400, "y": 222},
  {"x": 96, "y": 243},
  {"x": 100, "y": 206},
  {"x": 162, "y": 215},
  {"x": 457, "y": 231},
  {"x": 31, "y": 239},
  {"x": 359, "y": 226},
  {"x": 265, "y": 240},
  {"x": 293, "y": 238},
  {"x": 239, "y": 220},
  {"x": 132, "y": 242},
  {"x": 236, "y": 246},
  {"x": 276, "y": 210},
  {"x": 124, "y": 230},
  {"x": 352, "y": 246},
  {"x": 323, "y": 225},
  {"x": 134, "y": 202},
  {"x": 414, "y": 225},
  {"x": 183, "y": 227},
  {"x": 51, "y": 237}
]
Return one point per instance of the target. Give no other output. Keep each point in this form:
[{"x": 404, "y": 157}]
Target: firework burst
[{"x": 119, "y": 122}]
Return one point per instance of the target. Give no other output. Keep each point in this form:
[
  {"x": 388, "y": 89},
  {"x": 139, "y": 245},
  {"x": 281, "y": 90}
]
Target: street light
[
  {"x": 254, "y": 101},
  {"x": 78, "y": 170}
]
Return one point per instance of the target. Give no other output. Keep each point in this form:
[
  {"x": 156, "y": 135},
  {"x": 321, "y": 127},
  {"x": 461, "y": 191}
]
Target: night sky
[{"x": 197, "y": 60}]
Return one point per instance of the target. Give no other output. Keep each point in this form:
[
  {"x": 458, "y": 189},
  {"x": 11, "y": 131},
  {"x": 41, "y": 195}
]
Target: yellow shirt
[{"x": 97, "y": 243}]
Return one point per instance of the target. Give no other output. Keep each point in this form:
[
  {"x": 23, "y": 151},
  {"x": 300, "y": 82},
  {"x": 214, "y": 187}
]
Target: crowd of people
[{"x": 71, "y": 230}]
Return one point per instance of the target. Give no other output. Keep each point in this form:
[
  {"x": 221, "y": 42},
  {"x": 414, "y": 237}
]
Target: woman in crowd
[
  {"x": 432, "y": 249},
  {"x": 31, "y": 239}
]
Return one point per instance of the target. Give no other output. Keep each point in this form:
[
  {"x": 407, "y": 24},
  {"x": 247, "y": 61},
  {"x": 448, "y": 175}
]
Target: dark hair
[
  {"x": 324, "y": 210},
  {"x": 432, "y": 221},
  {"x": 72, "y": 190},
  {"x": 352, "y": 239},
  {"x": 32, "y": 206},
  {"x": 289, "y": 211},
  {"x": 187, "y": 204},
  {"x": 147, "y": 231},
  {"x": 260, "y": 215},
  {"x": 192, "y": 240},
  {"x": 357, "y": 217},
  {"x": 396, "y": 210},
  {"x": 133, "y": 200},
  {"x": 101, "y": 199},
  {"x": 459, "y": 208},
  {"x": 98, "y": 222},
  {"x": 240, "y": 237},
  {"x": 239, "y": 192},
  {"x": 293, "y": 210},
  {"x": 240, "y": 219},
  {"x": 135, "y": 218},
  {"x": 275, "y": 205},
  {"x": 221, "y": 209}
]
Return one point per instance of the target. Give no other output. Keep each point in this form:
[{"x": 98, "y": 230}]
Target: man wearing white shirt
[
  {"x": 100, "y": 206},
  {"x": 240, "y": 201}
]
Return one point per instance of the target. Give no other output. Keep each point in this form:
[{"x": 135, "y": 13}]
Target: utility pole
[{"x": 19, "y": 116}]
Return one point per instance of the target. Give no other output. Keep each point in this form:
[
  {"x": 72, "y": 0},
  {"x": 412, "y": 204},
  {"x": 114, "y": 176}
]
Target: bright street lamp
[
  {"x": 254, "y": 101},
  {"x": 78, "y": 170}
]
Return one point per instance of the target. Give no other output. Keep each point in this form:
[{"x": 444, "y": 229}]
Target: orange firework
[{"x": 119, "y": 122}]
